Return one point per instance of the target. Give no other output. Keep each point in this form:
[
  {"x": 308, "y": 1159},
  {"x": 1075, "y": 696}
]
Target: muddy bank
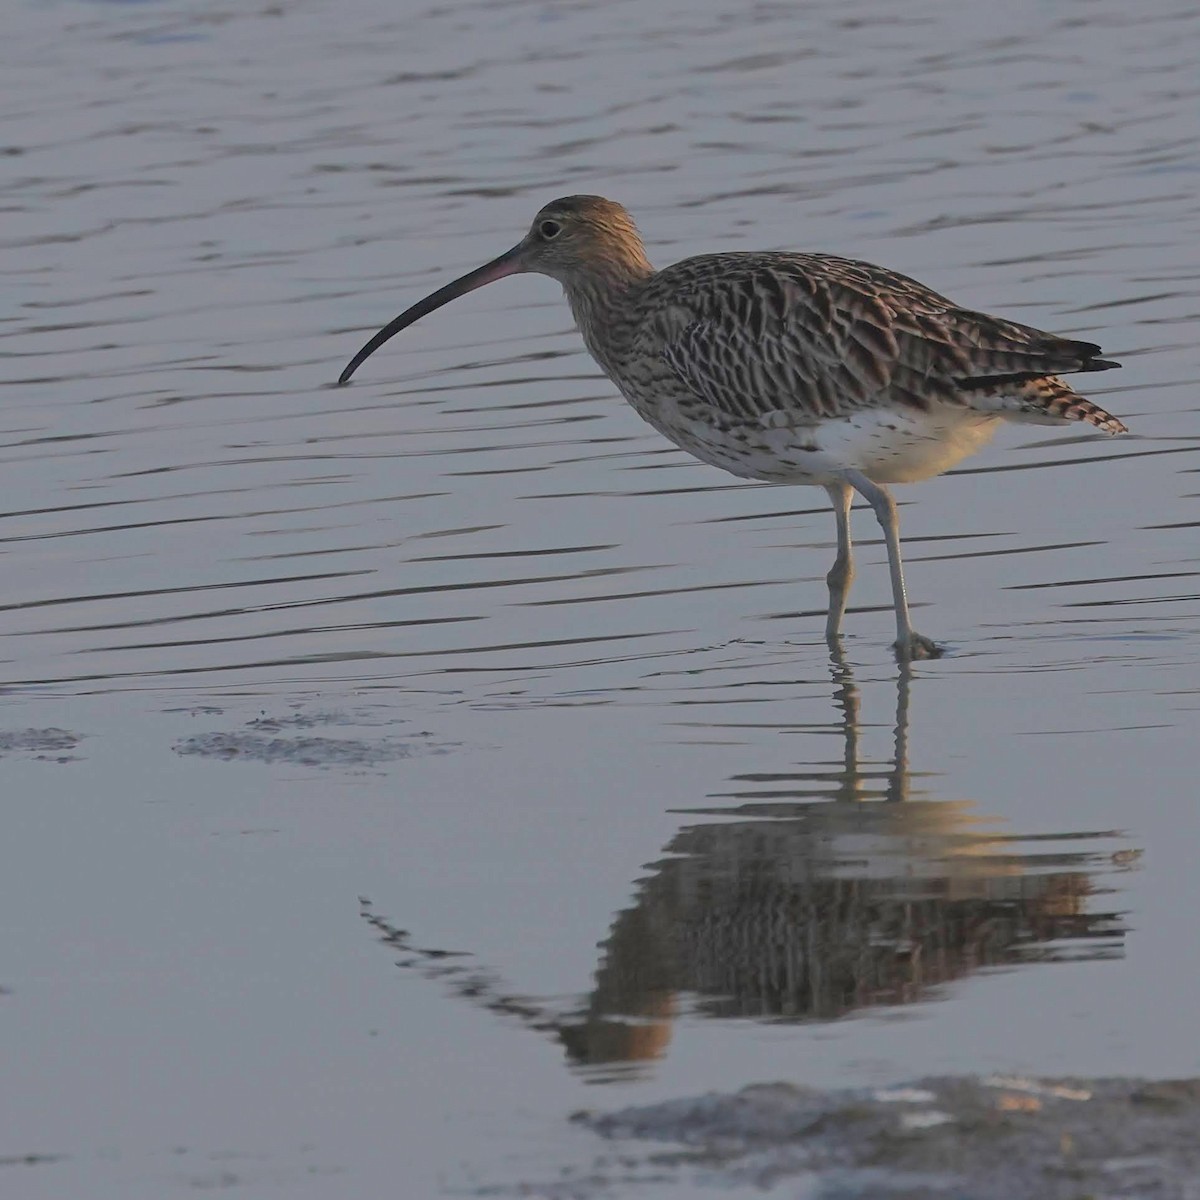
[{"x": 983, "y": 1138}]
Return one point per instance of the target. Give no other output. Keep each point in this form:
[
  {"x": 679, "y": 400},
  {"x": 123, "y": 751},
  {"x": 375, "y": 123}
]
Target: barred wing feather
[{"x": 802, "y": 337}]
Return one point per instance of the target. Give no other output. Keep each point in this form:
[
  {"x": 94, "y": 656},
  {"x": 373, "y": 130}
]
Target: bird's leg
[
  {"x": 909, "y": 643},
  {"x": 841, "y": 574}
]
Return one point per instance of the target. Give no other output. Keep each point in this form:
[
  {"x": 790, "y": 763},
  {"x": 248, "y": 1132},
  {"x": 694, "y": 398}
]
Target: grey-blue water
[{"x": 387, "y": 772}]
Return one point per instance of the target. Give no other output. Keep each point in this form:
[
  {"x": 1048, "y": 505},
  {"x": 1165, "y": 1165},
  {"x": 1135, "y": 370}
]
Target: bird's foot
[{"x": 914, "y": 647}]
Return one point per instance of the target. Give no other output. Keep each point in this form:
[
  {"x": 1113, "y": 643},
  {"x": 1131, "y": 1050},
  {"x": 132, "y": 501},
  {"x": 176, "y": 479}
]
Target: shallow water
[{"x": 390, "y": 771}]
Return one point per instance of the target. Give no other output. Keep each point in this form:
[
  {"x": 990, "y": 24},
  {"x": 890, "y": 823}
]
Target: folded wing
[{"x": 795, "y": 338}]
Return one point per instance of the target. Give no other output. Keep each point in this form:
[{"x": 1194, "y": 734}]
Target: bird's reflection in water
[{"x": 822, "y": 891}]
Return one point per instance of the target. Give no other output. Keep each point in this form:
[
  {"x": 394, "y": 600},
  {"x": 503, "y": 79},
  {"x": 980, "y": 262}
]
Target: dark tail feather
[
  {"x": 1062, "y": 352},
  {"x": 1089, "y": 353}
]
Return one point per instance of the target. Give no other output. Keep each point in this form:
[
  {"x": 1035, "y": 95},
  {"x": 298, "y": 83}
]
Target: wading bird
[{"x": 794, "y": 368}]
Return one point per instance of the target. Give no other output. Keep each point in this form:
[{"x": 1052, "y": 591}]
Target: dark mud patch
[
  {"x": 29, "y": 1160},
  {"x": 50, "y": 745},
  {"x": 355, "y": 753},
  {"x": 359, "y": 738},
  {"x": 988, "y": 1138}
]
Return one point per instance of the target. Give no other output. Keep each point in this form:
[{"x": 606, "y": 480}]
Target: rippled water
[{"x": 467, "y": 651}]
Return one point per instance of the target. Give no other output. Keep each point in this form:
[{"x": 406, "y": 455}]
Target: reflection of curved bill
[{"x": 829, "y": 890}]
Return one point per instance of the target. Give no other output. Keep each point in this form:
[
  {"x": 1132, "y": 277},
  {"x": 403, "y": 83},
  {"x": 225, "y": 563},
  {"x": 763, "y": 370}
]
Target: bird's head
[{"x": 585, "y": 242}]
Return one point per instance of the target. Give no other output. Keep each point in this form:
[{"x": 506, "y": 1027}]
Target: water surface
[{"x": 390, "y": 771}]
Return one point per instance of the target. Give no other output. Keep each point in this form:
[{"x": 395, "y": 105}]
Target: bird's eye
[{"x": 549, "y": 229}]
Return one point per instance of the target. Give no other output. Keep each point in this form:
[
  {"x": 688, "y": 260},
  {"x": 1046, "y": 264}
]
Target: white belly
[{"x": 887, "y": 445}]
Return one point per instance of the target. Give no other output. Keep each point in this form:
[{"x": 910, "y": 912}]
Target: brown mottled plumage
[{"x": 794, "y": 368}]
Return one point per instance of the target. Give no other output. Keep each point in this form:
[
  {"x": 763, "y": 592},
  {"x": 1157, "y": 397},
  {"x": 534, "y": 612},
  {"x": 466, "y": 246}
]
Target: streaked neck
[{"x": 603, "y": 300}]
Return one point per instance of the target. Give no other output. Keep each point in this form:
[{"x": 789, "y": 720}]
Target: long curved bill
[{"x": 509, "y": 263}]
